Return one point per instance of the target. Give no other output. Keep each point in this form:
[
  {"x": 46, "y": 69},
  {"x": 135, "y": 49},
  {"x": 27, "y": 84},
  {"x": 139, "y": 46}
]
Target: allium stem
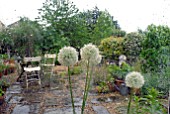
[
  {"x": 85, "y": 90},
  {"x": 71, "y": 93},
  {"x": 130, "y": 99},
  {"x": 88, "y": 85}
]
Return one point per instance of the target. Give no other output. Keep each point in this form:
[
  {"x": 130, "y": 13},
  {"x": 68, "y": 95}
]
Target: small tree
[{"x": 26, "y": 37}]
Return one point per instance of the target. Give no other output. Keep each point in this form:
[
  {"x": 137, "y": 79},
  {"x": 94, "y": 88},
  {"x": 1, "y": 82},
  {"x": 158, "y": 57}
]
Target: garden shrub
[
  {"x": 111, "y": 47},
  {"x": 156, "y": 48},
  {"x": 159, "y": 81},
  {"x": 132, "y": 46}
]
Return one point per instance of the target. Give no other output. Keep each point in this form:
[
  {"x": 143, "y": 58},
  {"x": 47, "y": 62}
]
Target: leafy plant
[
  {"x": 149, "y": 104},
  {"x": 119, "y": 72},
  {"x": 158, "y": 80},
  {"x": 102, "y": 87},
  {"x": 1, "y": 92},
  {"x": 76, "y": 70}
]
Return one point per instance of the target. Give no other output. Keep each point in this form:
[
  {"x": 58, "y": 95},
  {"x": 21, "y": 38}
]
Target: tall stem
[
  {"x": 88, "y": 85},
  {"x": 70, "y": 85},
  {"x": 85, "y": 89},
  {"x": 130, "y": 99}
]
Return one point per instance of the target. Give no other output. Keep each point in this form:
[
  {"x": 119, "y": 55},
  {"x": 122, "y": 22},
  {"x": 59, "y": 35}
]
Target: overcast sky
[{"x": 131, "y": 14}]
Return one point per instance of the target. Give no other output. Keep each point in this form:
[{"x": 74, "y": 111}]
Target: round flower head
[
  {"x": 68, "y": 56},
  {"x": 134, "y": 80},
  {"x": 97, "y": 60},
  {"x": 90, "y": 53}
]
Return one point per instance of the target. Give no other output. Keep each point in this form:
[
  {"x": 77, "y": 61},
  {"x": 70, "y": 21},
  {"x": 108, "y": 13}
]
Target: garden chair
[
  {"x": 33, "y": 70},
  {"x": 47, "y": 65}
]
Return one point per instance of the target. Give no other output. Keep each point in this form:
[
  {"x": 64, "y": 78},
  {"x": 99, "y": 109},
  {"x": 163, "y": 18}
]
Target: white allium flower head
[
  {"x": 97, "y": 60},
  {"x": 68, "y": 56},
  {"x": 90, "y": 53},
  {"x": 134, "y": 80}
]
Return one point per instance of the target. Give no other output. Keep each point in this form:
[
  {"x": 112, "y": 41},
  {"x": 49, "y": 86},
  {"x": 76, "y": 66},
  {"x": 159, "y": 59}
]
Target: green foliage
[
  {"x": 133, "y": 46},
  {"x": 63, "y": 25},
  {"x": 100, "y": 24},
  {"x": 102, "y": 87},
  {"x": 1, "y": 92},
  {"x": 118, "y": 33},
  {"x": 120, "y": 72},
  {"x": 111, "y": 47},
  {"x": 159, "y": 81},
  {"x": 26, "y": 37},
  {"x": 156, "y": 48},
  {"x": 103, "y": 27},
  {"x": 149, "y": 104},
  {"x": 76, "y": 70}
]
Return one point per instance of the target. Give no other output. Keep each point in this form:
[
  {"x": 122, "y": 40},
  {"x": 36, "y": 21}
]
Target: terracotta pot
[
  {"x": 119, "y": 82},
  {"x": 111, "y": 87}
]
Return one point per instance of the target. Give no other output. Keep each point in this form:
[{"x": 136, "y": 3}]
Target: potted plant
[
  {"x": 119, "y": 73},
  {"x": 2, "y": 96}
]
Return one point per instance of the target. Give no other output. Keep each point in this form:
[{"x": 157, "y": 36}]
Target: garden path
[{"x": 44, "y": 100}]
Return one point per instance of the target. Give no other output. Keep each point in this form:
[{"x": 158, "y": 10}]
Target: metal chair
[{"x": 33, "y": 70}]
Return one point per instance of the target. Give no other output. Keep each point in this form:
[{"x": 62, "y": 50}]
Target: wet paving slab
[
  {"x": 100, "y": 110},
  {"x": 21, "y": 109},
  {"x": 65, "y": 110}
]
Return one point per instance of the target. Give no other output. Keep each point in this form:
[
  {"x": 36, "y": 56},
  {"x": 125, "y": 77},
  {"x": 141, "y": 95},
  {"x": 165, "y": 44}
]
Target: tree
[
  {"x": 103, "y": 28},
  {"x": 61, "y": 24},
  {"x": 101, "y": 24},
  {"x": 26, "y": 36},
  {"x": 6, "y": 42}
]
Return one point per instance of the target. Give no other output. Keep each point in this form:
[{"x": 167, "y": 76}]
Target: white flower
[
  {"x": 90, "y": 53},
  {"x": 134, "y": 80},
  {"x": 68, "y": 56}
]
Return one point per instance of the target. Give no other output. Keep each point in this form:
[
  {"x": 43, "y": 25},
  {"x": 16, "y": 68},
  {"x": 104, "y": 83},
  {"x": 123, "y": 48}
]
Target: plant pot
[
  {"x": 118, "y": 82},
  {"x": 111, "y": 86}
]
